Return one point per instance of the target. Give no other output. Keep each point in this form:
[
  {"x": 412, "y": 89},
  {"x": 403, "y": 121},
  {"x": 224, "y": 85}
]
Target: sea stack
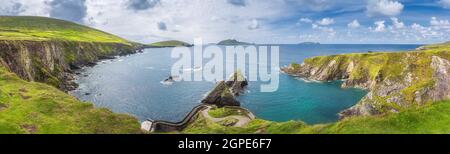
[{"x": 225, "y": 92}]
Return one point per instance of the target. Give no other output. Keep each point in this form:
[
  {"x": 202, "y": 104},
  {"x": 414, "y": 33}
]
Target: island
[
  {"x": 233, "y": 42},
  {"x": 309, "y": 43},
  {"x": 169, "y": 44}
]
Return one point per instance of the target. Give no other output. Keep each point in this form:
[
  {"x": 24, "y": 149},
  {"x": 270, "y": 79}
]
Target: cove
[{"x": 132, "y": 85}]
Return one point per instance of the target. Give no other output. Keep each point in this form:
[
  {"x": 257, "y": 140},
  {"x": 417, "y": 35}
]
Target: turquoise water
[{"x": 132, "y": 85}]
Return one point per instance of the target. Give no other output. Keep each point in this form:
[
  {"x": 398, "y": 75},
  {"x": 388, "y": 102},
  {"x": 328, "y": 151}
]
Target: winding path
[{"x": 242, "y": 120}]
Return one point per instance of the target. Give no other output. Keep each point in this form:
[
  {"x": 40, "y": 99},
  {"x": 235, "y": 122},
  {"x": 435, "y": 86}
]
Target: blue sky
[{"x": 259, "y": 21}]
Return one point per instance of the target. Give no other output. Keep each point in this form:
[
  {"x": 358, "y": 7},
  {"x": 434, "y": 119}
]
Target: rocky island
[
  {"x": 232, "y": 42},
  {"x": 169, "y": 44}
]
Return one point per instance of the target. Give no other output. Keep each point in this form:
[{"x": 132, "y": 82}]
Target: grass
[
  {"x": 171, "y": 43},
  {"x": 44, "y": 29},
  {"x": 225, "y": 112},
  {"x": 433, "y": 118},
  {"x": 36, "y": 108}
]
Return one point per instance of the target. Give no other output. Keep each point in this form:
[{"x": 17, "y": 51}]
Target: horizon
[{"x": 261, "y": 22}]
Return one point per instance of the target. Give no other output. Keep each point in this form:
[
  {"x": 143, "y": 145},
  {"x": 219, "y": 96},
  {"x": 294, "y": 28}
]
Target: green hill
[
  {"x": 232, "y": 42},
  {"x": 37, "y": 108},
  {"x": 44, "y": 29},
  {"x": 37, "y": 56},
  {"x": 171, "y": 43}
]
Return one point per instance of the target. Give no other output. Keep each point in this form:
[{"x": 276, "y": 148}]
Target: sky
[{"x": 255, "y": 21}]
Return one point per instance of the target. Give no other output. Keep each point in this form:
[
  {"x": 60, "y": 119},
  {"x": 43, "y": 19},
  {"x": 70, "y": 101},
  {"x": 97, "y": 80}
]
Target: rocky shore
[
  {"x": 53, "y": 62},
  {"x": 395, "y": 81}
]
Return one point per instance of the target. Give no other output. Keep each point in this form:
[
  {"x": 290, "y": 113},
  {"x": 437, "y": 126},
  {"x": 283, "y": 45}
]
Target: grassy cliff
[
  {"x": 46, "y": 50},
  {"x": 37, "y": 56},
  {"x": 44, "y": 29},
  {"x": 37, "y": 108},
  {"x": 395, "y": 81}
]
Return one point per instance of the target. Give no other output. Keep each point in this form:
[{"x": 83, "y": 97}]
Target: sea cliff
[
  {"x": 395, "y": 81},
  {"x": 52, "y": 62}
]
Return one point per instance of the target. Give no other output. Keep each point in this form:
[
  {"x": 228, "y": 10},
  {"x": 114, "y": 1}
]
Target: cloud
[
  {"x": 380, "y": 27},
  {"x": 254, "y": 25},
  {"x": 305, "y": 20},
  {"x": 162, "y": 26},
  {"x": 329, "y": 31},
  {"x": 72, "y": 10},
  {"x": 354, "y": 24},
  {"x": 439, "y": 23},
  {"x": 444, "y": 3},
  {"x": 138, "y": 5},
  {"x": 396, "y": 23},
  {"x": 10, "y": 7},
  {"x": 326, "y": 21},
  {"x": 237, "y": 2},
  {"x": 384, "y": 8}
]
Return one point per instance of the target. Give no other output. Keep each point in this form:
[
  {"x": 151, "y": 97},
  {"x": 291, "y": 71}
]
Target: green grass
[
  {"x": 44, "y": 29},
  {"x": 225, "y": 112},
  {"x": 36, "y": 108},
  {"x": 172, "y": 43},
  {"x": 430, "y": 119}
]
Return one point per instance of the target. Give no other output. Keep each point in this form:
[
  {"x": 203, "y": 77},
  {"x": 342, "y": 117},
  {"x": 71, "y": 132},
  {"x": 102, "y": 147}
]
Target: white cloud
[
  {"x": 326, "y": 21},
  {"x": 305, "y": 20},
  {"x": 380, "y": 27},
  {"x": 384, "y": 8},
  {"x": 439, "y": 23},
  {"x": 254, "y": 25},
  {"x": 354, "y": 24},
  {"x": 396, "y": 23},
  {"x": 444, "y": 3}
]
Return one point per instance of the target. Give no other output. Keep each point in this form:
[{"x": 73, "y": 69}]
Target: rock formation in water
[
  {"x": 225, "y": 92},
  {"x": 395, "y": 81}
]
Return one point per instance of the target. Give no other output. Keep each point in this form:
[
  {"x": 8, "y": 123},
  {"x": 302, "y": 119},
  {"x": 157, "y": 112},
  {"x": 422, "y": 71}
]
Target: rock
[{"x": 225, "y": 92}]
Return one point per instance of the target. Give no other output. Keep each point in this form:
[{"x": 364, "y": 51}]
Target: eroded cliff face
[
  {"x": 395, "y": 81},
  {"x": 225, "y": 92},
  {"x": 52, "y": 62}
]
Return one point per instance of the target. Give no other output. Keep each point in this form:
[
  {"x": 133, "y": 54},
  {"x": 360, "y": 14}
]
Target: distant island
[
  {"x": 309, "y": 43},
  {"x": 233, "y": 42},
  {"x": 171, "y": 43}
]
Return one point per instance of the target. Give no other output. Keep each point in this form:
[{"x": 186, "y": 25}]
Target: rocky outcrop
[
  {"x": 225, "y": 92},
  {"x": 52, "y": 62},
  {"x": 394, "y": 81}
]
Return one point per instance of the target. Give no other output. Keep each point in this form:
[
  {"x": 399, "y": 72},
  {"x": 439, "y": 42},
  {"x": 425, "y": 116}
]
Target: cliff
[
  {"x": 52, "y": 62},
  {"x": 395, "y": 81},
  {"x": 47, "y": 50},
  {"x": 225, "y": 92}
]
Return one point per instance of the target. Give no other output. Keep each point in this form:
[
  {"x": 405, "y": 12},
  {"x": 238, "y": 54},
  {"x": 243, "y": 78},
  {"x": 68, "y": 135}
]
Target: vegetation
[
  {"x": 172, "y": 43},
  {"x": 430, "y": 119},
  {"x": 45, "y": 29},
  {"x": 225, "y": 112},
  {"x": 36, "y": 108},
  {"x": 232, "y": 42}
]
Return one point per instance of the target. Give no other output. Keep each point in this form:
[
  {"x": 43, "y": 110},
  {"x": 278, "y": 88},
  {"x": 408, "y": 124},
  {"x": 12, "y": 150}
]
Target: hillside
[
  {"x": 46, "y": 50},
  {"x": 45, "y": 29},
  {"x": 38, "y": 49},
  {"x": 232, "y": 42},
  {"x": 395, "y": 81},
  {"x": 36, "y": 108},
  {"x": 429, "y": 119},
  {"x": 172, "y": 43}
]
